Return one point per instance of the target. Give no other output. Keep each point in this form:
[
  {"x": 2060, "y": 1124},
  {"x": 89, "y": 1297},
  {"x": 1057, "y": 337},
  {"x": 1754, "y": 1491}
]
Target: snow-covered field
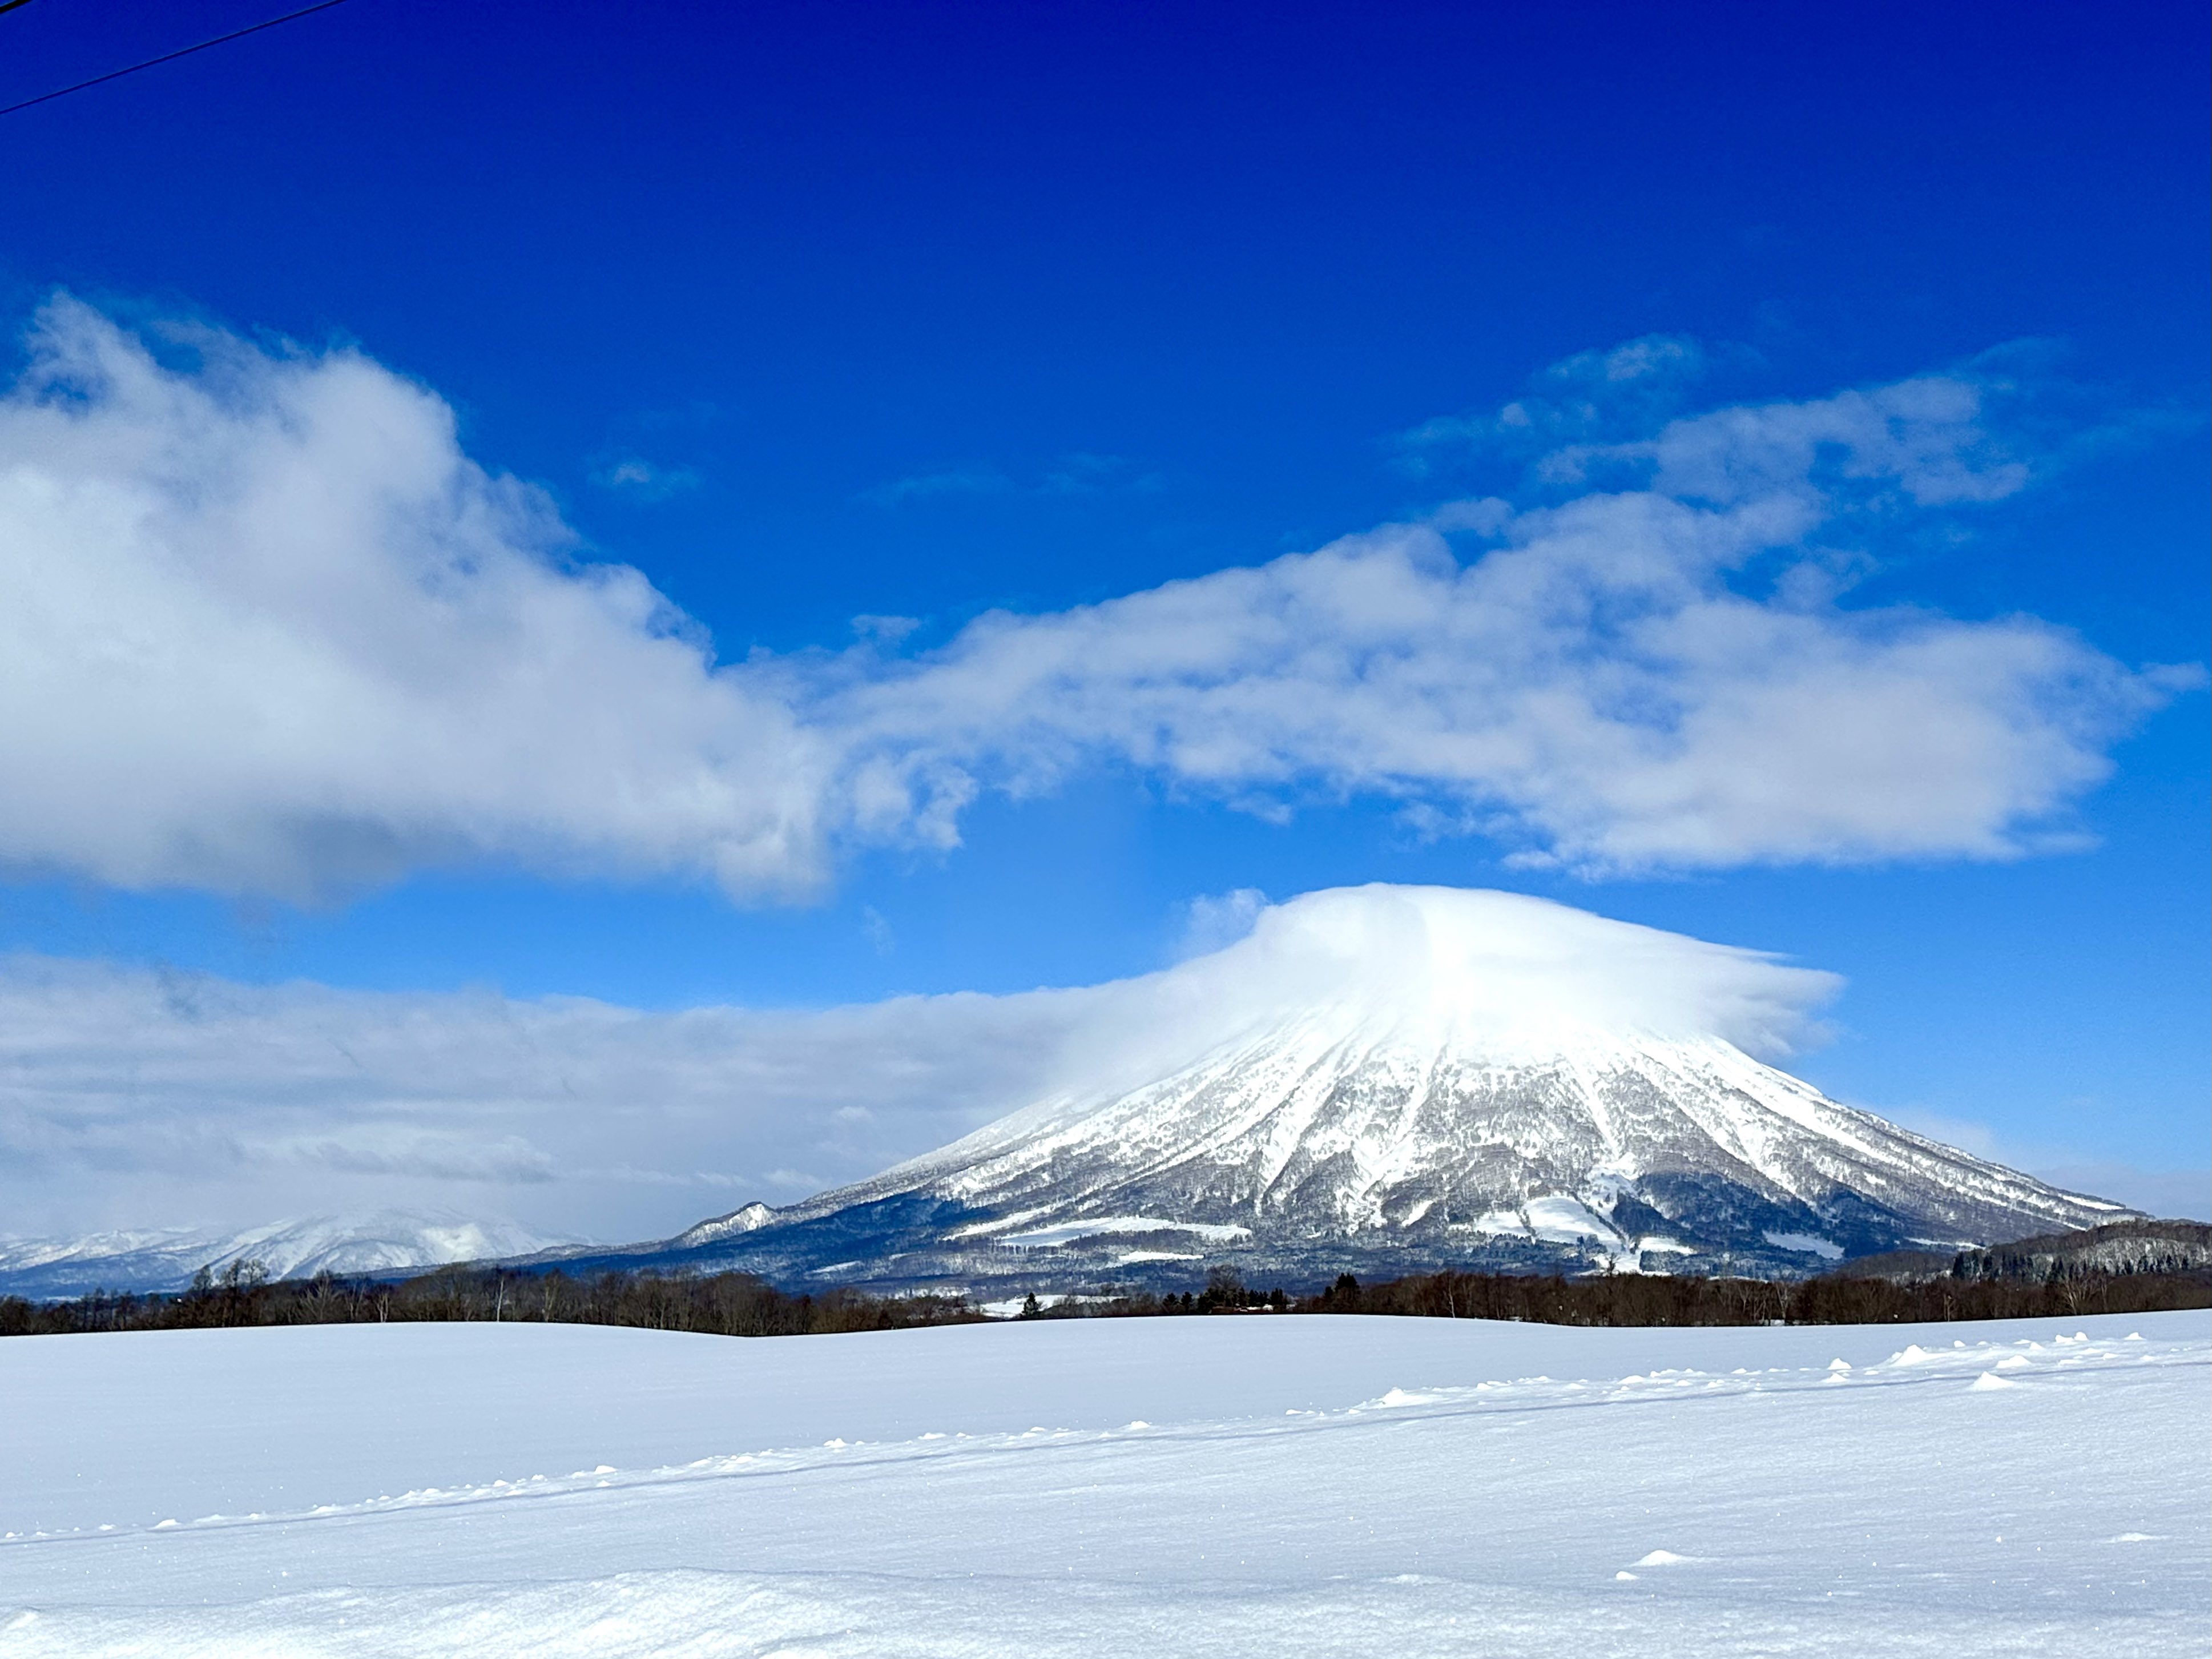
[{"x": 1252, "y": 1485}]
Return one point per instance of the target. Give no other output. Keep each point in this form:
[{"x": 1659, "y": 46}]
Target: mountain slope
[{"x": 1318, "y": 1134}]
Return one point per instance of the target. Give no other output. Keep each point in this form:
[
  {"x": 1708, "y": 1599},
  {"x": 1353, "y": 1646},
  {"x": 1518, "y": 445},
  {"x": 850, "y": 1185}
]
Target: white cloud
[
  {"x": 1924, "y": 437},
  {"x": 132, "y": 1096},
  {"x": 643, "y": 480},
  {"x": 1593, "y": 687},
  {"x": 1492, "y": 966},
  {"x": 931, "y": 486},
  {"x": 1590, "y": 396},
  {"x": 266, "y": 628},
  {"x": 1078, "y": 474},
  {"x": 127, "y": 1095},
  {"x": 1214, "y": 920}
]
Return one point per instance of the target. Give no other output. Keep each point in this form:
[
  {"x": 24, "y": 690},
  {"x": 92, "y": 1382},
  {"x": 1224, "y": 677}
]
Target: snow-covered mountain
[
  {"x": 1379, "y": 1080},
  {"x": 1415, "y": 1077},
  {"x": 166, "y": 1258}
]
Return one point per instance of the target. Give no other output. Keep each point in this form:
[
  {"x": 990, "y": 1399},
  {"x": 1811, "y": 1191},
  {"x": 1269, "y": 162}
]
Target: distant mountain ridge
[
  {"x": 2119, "y": 1248},
  {"x": 164, "y": 1260},
  {"x": 2140, "y": 1248}
]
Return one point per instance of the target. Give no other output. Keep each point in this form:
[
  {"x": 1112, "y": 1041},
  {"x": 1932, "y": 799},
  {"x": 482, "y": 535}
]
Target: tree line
[
  {"x": 723, "y": 1304},
  {"x": 1653, "y": 1299},
  {"x": 741, "y": 1304}
]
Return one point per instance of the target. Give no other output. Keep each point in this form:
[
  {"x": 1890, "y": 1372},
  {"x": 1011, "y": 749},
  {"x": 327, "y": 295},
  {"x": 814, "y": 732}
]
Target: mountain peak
[{"x": 747, "y": 1218}]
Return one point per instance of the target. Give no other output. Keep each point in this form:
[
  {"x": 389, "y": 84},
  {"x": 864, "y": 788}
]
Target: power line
[{"x": 167, "y": 57}]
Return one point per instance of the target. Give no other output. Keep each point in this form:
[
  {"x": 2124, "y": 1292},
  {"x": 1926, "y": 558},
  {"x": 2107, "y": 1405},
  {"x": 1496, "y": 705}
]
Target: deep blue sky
[{"x": 1143, "y": 292}]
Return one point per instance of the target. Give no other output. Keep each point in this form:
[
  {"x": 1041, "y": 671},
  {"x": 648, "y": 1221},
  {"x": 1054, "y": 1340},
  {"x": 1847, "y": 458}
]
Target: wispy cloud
[
  {"x": 931, "y": 486},
  {"x": 642, "y": 480},
  {"x": 266, "y": 628},
  {"x": 1591, "y": 396},
  {"x": 1213, "y": 922},
  {"x": 1076, "y": 474},
  {"x": 2164, "y": 1193}
]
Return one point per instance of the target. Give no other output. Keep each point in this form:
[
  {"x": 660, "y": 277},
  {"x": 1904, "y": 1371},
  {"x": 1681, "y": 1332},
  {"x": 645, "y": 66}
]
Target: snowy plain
[{"x": 1197, "y": 1487}]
